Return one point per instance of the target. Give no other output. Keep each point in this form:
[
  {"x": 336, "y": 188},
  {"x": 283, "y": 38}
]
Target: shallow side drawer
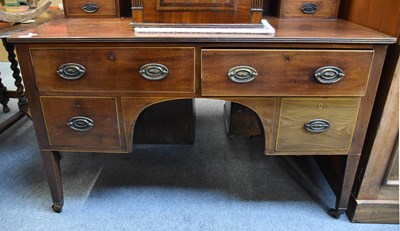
[
  {"x": 87, "y": 8},
  {"x": 317, "y": 124},
  {"x": 308, "y": 9},
  {"x": 80, "y": 122}
]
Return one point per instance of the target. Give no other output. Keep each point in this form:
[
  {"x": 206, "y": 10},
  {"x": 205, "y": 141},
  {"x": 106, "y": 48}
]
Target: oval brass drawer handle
[
  {"x": 242, "y": 74},
  {"x": 90, "y": 7},
  {"x": 329, "y": 74},
  {"x": 317, "y": 125},
  {"x": 71, "y": 71},
  {"x": 154, "y": 71},
  {"x": 81, "y": 123},
  {"x": 309, "y": 8}
]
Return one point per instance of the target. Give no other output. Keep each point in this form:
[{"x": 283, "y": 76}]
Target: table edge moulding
[{"x": 284, "y": 103}]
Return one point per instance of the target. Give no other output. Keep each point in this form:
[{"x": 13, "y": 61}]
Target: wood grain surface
[
  {"x": 292, "y": 9},
  {"x": 287, "y": 31},
  {"x": 285, "y": 72},
  {"x": 341, "y": 113},
  {"x": 103, "y": 111},
  {"x": 115, "y": 69}
]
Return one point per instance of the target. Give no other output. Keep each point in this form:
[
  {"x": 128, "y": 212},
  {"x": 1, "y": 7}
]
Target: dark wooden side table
[
  {"x": 7, "y": 29},
  {"x": 5, "y": 95}
]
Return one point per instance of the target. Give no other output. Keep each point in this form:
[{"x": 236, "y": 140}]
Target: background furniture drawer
[
  {"x": 195, "y": 11},
  {"x": 285, "y": 72},
  {"x": 114, "y": 69},
  {"x": 308, "y": 9},
  {"x": 81, "y": 122},
  {"x": 96, "y": 8},
  {"x": 317, "y": 124}
]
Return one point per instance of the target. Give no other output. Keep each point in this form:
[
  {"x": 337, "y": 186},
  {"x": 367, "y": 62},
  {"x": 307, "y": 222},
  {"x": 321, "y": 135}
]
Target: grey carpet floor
[{"x": 215, "y": 184}]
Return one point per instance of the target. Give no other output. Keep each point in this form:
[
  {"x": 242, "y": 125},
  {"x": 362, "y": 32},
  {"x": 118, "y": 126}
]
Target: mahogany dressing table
[{"x": 312, "y": 85}]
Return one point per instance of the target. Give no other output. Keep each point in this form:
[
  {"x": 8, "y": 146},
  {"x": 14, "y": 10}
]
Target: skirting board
[{"x": 373, "y": 211}]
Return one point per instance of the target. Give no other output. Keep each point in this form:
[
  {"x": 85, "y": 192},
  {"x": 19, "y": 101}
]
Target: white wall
[{"x": 54, "y": 2}]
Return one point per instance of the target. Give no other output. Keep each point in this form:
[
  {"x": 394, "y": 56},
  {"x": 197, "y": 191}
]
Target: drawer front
[
  {"x": 87, "y": 8},
  {"x": 309, "y": 9},
  {"x": 317, "y": 124},
  {"x": 114, "y": 69},
  {"x": 285, "y": 72},
  {"x": 81, "y": 122}
]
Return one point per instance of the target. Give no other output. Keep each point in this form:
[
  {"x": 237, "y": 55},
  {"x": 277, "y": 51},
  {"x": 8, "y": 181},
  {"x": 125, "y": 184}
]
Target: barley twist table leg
[
  {"x": 20, "y": 94},
  {"x": 3, "y": 97},
  {"x": 22, "y": 101}
]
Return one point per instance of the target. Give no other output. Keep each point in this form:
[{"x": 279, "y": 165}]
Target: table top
[{"x": 119, "y": 30}]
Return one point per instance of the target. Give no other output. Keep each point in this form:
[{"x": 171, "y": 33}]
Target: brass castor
[
  {"x": 57, "y": 207},
  {"x": 336, "y": 213}
]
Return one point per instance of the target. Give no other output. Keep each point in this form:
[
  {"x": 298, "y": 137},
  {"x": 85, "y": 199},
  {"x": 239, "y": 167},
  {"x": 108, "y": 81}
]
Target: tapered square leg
[
  {"x": 342, "y": 199},
  {"x": 51, "y": 162}
]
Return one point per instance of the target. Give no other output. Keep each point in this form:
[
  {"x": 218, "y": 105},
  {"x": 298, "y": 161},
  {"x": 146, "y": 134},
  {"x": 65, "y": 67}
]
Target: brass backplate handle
[
  {"x": 71, "y": 71},
  {"x": 317, "y": 125},
  {"x": 329, "y": 74},
  {"x": 154, "y": 71},
  {"x": 242, "y": 74},
  {"x": 81, "y": 123},
  {"x": 309, "y": 8},
  {"x": 90, "y": 7}
]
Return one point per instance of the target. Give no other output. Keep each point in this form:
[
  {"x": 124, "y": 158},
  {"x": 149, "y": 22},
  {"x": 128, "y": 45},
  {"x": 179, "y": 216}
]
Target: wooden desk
[{"x": 87, "y": 84}]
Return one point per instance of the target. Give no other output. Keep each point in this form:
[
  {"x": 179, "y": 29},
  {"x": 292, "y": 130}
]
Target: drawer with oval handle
[
  {"x": 97, "y": 8},
  {"x": 229, "y": 72},
  {"x": 115, "y": 69},
  {"x": 308, "y": 9},
  {"x": 87, "y": 123},
  {"x": 317, "y": 124}
]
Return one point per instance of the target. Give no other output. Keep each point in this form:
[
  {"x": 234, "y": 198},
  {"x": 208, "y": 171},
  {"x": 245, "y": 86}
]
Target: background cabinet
[{"x": 375, "y": 196}]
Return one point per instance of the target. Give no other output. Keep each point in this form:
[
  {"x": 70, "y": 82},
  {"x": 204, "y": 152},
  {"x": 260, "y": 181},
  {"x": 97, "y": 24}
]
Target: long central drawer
[
  {"x": 133, "y": 69},
  {"x": 229, "y": 72}
]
